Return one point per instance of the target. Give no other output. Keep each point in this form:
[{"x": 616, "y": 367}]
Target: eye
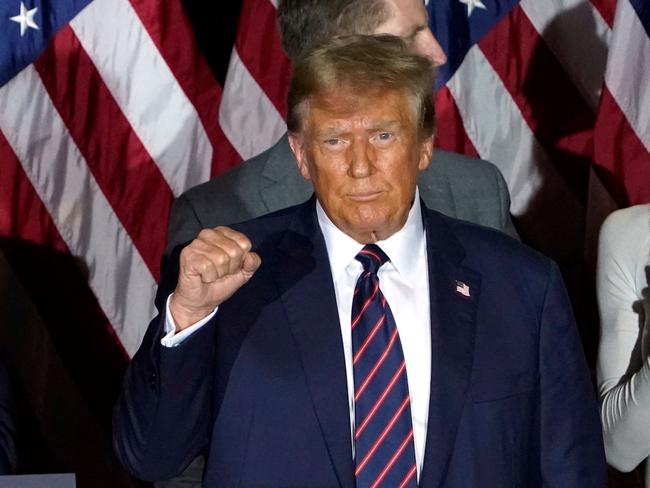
[
  {"x": 384, "y": 138},
  {"x": 410, "y": 39},
  {"x": 333, "y": 144}
]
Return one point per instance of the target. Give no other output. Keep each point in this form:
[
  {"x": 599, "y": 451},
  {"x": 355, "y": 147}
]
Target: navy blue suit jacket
[{"x": 261, "y": 389}]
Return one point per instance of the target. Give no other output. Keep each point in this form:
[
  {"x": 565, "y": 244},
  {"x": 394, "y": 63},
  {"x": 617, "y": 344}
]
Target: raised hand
[{"x": 212, "y": 267}]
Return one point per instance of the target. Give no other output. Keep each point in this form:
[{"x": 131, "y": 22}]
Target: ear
[
  {"x": 296, "y": 142},
  {"x": 426, "y": 151}
]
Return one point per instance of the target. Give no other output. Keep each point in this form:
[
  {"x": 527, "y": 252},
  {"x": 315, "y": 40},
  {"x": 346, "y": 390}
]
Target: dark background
[{"x": 215, "y": 26}]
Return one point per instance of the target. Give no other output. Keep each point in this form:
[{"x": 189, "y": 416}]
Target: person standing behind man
[
  {"x": 360, "y": 339},
  {"x": 459, "y": 186}
]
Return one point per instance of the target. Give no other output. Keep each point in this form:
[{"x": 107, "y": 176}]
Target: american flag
[
  {"x": 557, "y": 94},
  {"x": 108, "y": 111}
]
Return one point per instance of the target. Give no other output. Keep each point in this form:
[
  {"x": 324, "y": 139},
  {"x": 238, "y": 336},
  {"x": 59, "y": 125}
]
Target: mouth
[{"x": 364, "y": 196}]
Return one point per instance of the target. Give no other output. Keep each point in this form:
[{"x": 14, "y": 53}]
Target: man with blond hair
[
  {"x": 359, "y": 338},
  {"x": 456, "y": 185}
]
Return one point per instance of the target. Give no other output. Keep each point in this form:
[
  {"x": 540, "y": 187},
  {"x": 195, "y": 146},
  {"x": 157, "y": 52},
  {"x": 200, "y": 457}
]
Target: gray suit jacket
[{"x": 459, "y": 186}]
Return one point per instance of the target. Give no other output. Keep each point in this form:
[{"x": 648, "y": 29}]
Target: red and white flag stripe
[
  {"x": 622, "y": 137},
  {"x": 109, "y": 124},
  {"x": 117, "y": 273}
]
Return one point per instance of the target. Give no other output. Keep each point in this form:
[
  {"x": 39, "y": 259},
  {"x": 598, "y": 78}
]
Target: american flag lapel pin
[{"x": 462, "y": 288}]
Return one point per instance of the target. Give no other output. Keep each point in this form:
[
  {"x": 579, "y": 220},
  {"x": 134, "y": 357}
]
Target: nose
[
  {"x": 361, "y": 159},
  {"x": 429, "y": 47}
]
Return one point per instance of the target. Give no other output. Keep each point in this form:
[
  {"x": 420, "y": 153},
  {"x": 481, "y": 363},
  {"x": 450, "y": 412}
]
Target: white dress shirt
[{"x": 404, "y": 282}]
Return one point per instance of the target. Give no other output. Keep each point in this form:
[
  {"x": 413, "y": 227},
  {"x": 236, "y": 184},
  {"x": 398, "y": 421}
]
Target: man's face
[
  {"x": 409, "y": 20},
  {"x": 363, "y": 155}
]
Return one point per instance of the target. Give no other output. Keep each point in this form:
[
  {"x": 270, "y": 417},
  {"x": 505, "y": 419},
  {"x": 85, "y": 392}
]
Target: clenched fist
[{"x": 212, "y": 267}]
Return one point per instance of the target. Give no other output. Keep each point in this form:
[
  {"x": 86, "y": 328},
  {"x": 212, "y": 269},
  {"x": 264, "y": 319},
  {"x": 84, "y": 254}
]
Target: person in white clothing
[{"x": 623, "y": 362}]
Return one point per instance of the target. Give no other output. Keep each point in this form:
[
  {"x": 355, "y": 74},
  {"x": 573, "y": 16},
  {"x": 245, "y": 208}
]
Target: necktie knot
[{"x": 372, "y": 258}]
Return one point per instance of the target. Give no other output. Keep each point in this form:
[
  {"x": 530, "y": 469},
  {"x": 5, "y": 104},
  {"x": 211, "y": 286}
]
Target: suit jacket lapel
[
  {"x": 453, "y": 322},
  {"x": 305, "y": 282}
]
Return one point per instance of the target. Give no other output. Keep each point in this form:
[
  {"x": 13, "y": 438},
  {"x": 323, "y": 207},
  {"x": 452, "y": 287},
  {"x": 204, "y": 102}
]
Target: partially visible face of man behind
[
  {"x": 362, "y": 153},
  {"x": 409, "y": 20}
]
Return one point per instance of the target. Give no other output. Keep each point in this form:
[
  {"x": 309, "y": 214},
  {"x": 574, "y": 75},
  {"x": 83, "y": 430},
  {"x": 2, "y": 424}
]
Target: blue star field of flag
[
  {"x": 458, "y": 26},
  {"x": 20, "y": 42}
]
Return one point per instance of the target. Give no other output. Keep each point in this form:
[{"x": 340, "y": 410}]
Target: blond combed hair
[{"x": 361, "y": 65}]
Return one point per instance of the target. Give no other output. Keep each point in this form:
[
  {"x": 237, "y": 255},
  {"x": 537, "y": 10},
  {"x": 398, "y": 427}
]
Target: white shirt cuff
[{"x": 173, "y": 339}]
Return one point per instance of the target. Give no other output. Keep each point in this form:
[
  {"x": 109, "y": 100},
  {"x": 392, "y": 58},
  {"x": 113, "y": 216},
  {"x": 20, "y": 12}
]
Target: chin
[
  {"x": 373, "y": 217},
  {"x": 372, "y": 231}
]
